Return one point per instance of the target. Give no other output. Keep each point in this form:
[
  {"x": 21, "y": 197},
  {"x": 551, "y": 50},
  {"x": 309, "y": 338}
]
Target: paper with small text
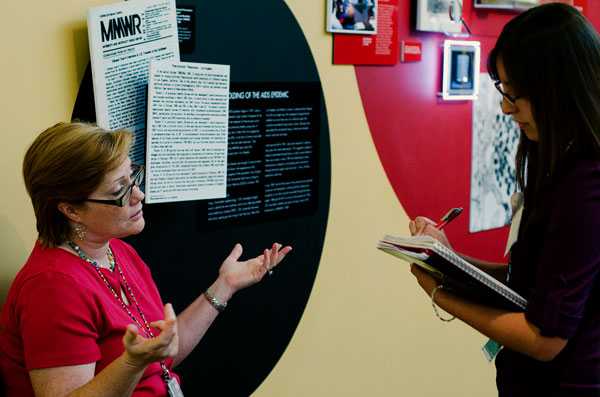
[
  {"x": 188, "y": 113},
  {"x": 123, "y": 39}
]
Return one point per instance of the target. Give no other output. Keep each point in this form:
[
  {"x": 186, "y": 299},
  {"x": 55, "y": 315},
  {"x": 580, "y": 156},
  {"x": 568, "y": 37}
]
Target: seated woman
[{"x": 83, "y": 317}]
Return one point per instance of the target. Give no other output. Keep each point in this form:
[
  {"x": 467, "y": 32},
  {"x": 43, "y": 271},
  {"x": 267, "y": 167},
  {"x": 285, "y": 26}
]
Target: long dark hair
[{"x": 551, "y": 54}]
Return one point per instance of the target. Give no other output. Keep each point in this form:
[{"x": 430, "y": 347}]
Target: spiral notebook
[{"x": 458, "y": 275}]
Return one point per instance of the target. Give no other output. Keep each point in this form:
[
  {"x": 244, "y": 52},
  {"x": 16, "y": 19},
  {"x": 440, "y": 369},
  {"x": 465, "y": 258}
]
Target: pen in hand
[{"x": 450, "y": 215}]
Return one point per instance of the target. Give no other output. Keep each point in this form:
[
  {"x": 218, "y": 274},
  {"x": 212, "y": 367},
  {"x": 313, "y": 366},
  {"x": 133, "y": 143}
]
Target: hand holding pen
[{"x": 425, "y": 226}]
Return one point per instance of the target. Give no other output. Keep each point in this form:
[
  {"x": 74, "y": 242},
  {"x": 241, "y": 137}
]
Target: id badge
[
  {"x": 491, "y": 349},
  {"x": 173, "y": 388}
]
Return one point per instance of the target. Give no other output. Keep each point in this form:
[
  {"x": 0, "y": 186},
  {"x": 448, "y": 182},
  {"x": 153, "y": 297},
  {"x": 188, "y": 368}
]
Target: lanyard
[{"x": 145, "y": 327}]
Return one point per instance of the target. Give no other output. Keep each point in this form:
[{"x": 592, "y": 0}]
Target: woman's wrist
[
  {"x": 221, "y": 289},
  {"x": 132, "y": 363}
]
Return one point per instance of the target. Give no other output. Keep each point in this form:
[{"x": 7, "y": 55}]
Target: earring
[{"x": 79, "y": 231}]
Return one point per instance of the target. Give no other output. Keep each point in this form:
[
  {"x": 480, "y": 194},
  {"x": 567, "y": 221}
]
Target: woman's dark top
[{"x": 555, "y": 264}]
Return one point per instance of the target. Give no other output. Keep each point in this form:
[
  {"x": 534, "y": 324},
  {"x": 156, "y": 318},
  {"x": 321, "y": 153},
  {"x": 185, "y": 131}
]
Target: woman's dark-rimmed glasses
[
  {"x": 509, "y": 98},
  {"x": 137, "y": 176}
]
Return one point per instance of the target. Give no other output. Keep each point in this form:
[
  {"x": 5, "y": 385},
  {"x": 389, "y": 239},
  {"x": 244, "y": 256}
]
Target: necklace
[
  {"x": 83, "y": 255},
  {"x": 173, "y": 388}
]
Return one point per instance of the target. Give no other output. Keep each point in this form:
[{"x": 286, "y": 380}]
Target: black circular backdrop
[{"x": 263, "y": 43}]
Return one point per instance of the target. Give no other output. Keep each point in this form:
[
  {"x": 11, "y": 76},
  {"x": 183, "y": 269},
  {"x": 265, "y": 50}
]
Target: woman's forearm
[
  {"x": 118, "y": 379},
  {"x": 511, "y": 329},
  {"x": 234, "y": 275},
  {"x": 195, "y": 320}
]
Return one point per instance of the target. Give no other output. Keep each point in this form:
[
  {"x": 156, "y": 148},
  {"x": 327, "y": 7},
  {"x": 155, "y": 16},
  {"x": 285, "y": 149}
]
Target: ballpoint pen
[{"x": 450, "y": 215}]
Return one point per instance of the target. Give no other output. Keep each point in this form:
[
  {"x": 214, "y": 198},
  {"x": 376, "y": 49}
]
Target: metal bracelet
[
  {"x": 214, "y": 301},
  {"x": 435, "y": 307}
]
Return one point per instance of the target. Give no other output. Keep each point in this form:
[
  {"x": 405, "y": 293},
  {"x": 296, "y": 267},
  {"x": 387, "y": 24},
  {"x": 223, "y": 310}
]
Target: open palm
[{"x": 241, "y": 274}]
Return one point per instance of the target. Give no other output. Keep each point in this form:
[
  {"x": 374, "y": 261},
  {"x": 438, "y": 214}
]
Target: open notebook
[{"x": 459, "y": 276}]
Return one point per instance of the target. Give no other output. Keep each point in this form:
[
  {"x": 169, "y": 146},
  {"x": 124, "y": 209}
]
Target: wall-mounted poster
[
  {"x": 272, "y": 157},
  {"x": 352, "y": 16},
  {"x": 493, "y": 176},
  {"x": 186, "y": 28},
  {"x": 379, "y": 49},
  {"x": 123, "y": 39},
  {"x": 434, "y": 16},
  {"x": 186, "y": 145}
]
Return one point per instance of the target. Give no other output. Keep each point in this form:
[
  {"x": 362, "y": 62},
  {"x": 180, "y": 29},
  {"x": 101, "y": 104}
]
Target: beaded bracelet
[{"x": 435, "y": 307}]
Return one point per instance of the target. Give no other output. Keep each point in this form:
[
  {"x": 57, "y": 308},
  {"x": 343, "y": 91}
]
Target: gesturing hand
[
  {"x": 240, "y": 274},
  {"x": 142, "y": 351}
]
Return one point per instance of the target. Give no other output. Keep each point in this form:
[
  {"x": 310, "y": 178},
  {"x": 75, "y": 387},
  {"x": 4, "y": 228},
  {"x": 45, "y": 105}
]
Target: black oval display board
[{"x": 184, "y": 243}]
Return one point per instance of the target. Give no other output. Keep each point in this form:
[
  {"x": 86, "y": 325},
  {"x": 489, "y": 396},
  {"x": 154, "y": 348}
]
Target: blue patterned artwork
[{"x": 493, "y": 178}]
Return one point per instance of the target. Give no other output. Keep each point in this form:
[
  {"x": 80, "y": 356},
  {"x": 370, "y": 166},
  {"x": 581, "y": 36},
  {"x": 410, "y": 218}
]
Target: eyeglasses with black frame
[
  {"x": 509, "y": 98},
  {"x": 137, "y": 176}
]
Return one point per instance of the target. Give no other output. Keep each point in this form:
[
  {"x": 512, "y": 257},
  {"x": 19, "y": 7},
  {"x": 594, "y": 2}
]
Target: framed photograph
[
  {"x": 517, "y": 5},
  {"x": 380, "y": 49},
  {"x": 352, "y": 16},
  {"x": 460, "y": 77},
  {"x": 434, "y": 16}
]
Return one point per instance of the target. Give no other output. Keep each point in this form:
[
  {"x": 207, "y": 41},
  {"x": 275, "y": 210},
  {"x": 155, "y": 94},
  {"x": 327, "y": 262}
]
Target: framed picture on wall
[
  {"x": 460, "y": 78},
  {"x": 434, "y": 16},
  {"x": 352, "y": 16},
  {"x": 506, "y": 4}
]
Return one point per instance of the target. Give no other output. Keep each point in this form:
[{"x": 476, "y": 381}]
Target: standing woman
[
  {"x": 546, "y": 64},
  {"x": 83, "y": 317}
]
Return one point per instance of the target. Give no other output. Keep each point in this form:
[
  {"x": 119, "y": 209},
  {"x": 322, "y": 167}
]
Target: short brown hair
[{"x": 66, "y": 163}]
